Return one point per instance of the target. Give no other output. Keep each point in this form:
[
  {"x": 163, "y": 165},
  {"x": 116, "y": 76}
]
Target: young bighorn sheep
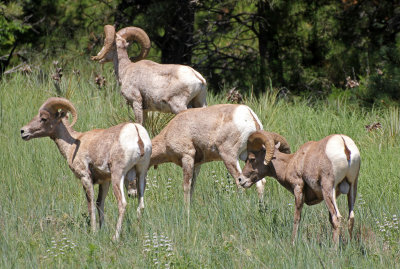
[
  {"x": 102, "y": 156},
  {"x": 201, "y": 135},
  {"x": 146, "y": 85},
  {"x": 319, "y": 170}
]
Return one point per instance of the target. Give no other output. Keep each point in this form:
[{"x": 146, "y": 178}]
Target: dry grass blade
[{"x": 156, "y": 121}]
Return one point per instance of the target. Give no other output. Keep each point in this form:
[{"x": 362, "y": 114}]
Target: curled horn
[
  {"x": 284, "y": 145},
  {"x": 109, "y": 32},
  {"x": 138, "y": 35},
  {"x": 259, "y": 139},
  {"x": 53, "y": 104}
]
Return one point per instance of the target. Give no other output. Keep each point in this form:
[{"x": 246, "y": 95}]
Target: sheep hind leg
[
  {"x": 200, "y": 100},
  {"x": 335, "y": 217},
  {"x": 141, "y": 187},
  {"x": 101, "y": 197},
  {"x": 351, "y": 198},
  {"x": 177, "y": 107},
  {"x": 144, "y": 117},
  {"x": 138, "y": 111},
  {"x": 117, "y": 180},
  {"x": 299, "y": 202}
]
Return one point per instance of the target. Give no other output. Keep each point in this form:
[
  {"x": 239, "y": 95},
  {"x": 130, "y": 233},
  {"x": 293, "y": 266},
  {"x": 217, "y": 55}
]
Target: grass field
[{"x": 43, "y": 211}]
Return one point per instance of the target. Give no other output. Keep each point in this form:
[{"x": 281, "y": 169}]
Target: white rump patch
[
  {"x": 335, "y": 150},
  {"x": 188, "y": 75},
  {"x": 246, "y": 122},
  {"x": 128, "y": 139}
]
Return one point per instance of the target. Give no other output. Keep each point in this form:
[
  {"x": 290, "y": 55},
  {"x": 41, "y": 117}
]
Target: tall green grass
[{"x": 43, "y": 212}]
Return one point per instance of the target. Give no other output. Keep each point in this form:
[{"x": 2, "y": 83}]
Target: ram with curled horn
[
  {"x": 101, "y": 156},
  {"x": 318, "y": 171},
  {"x": 147, "y": 85},
  {"x": 200, "y": 135}
]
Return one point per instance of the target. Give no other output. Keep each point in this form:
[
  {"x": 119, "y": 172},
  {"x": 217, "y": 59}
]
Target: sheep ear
[
  {"x": 265, "y": 149},
  {"x": 60, "y": 114},
  {"x": 277, "y": 145}
]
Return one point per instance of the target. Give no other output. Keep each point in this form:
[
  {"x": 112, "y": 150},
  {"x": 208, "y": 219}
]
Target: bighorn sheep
[
  {"x": 319, "y": 170},
  {"x": 200, "y": 135},
  {"x": 146, "y": 85},
  {"x": 100, "y": 156}
]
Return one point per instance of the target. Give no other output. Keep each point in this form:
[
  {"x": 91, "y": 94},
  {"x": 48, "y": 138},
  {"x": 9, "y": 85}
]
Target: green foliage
[
  {"x": 11, "y": 23},
  {"x": 307, "y": 47}
]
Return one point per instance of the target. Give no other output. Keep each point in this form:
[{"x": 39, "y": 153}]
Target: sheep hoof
[{"x": 115, "y": 238}]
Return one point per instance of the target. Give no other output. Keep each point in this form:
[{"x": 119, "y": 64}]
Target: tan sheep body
[
  {"x": 318, "y": 171},
  {"x": 100, "y": 156}
]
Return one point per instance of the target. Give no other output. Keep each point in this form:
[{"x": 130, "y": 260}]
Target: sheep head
[
  {"x": 129, "y": 34},
  {"x": 261, "y": 147},
  {"x": 121, "y": 42},
  {"x": 51, "y": 113}
]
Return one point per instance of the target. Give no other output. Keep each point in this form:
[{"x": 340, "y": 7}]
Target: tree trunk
[
  {"x": 262, "y": 46},
  {"x": 268, "y": 45},
  {"x": 177, "y": 42}
]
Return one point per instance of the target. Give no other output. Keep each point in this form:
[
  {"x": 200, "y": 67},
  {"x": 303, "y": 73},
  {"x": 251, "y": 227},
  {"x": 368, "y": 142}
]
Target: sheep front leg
[
  {"x": 101, "y": 197},
  {"x": 194, "y": 178},
  {"x": 134, "y": 98},
  {"x": 232, "y": 164},
  {"x": 117, "y": 180},
  {"x": 299, "y": 202},
  {"x": 89, "y": 191},
  {"x": 260, "y": 185}
]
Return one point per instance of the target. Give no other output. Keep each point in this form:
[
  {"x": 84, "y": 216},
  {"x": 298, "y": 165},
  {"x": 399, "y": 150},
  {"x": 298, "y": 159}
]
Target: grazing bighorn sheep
[
  {"x": 319, "y": 170},
  {"x": 146, "y": 85},
  {"x": 100, "y": 156},
  {"x": 201, "y": 135}
]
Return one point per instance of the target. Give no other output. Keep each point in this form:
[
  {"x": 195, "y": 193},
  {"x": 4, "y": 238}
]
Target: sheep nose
[
  {"x": 240, "y": 179},
  {"x": 22, "y": 131}
]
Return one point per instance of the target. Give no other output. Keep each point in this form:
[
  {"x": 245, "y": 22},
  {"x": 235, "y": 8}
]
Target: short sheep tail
[
  {"x": 199, "y": 77},
  {"x": 346, "y": 150}
]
